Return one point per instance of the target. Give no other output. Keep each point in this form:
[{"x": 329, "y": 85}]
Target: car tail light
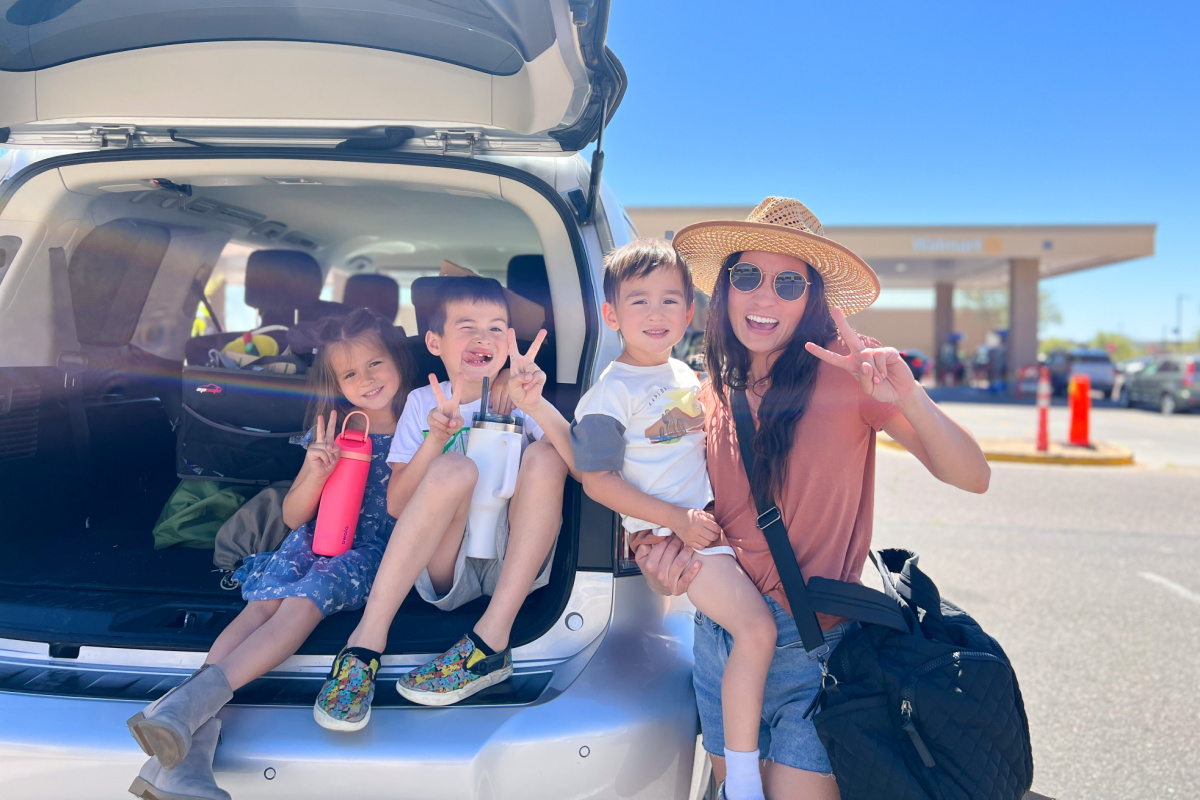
[
  {"x": 918, "y": 363},
  {"x": 1189, "y": 374}
]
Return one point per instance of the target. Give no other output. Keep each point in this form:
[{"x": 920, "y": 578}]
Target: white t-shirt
[
  {"x": 647, "y": 424},
  {"x": 413, "y": 426}
]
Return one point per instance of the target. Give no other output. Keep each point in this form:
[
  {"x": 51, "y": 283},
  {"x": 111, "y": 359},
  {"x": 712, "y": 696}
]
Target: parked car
[
  {"x": 1094, "y": 363},
  {"x": 346, "y": 137},
  {"x": 1169, "y": 382},
  {"x": 917, "y": 361}
]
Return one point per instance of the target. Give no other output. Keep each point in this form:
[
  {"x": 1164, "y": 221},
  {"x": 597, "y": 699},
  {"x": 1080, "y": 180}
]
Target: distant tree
[
  {"x": 1052, "y": 343},
  {"x": 1048, "y": 311},
  {"x": 1120, "y": 348},
  {"x": 991, "y": 305}
]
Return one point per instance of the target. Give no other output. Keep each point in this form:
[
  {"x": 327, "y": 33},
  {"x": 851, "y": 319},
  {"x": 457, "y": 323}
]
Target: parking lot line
[{"x": 1186, "y": 594}]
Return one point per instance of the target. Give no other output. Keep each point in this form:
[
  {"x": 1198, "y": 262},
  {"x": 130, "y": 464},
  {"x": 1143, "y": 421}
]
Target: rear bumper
[{"x": 620, "y": 724}]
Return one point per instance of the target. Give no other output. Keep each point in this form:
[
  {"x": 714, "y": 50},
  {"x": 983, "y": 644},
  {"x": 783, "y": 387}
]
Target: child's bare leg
[
  {"x": 248, "y": 620},
  {"x": 726, "y": 595},
  {"x": 275, "y": 641},
  {"x": 535, "y": 514},
  {"x": 439, "y": 505}
]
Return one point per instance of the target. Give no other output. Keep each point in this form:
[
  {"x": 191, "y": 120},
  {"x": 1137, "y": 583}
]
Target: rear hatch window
[{"x": 493, "y": 37}]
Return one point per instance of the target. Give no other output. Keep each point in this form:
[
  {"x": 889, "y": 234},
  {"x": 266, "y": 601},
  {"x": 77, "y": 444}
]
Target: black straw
[{"x": 483, "y": 401}]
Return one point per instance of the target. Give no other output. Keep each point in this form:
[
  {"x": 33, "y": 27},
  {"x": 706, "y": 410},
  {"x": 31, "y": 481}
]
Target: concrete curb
[{"x": 1024, "y": 452}]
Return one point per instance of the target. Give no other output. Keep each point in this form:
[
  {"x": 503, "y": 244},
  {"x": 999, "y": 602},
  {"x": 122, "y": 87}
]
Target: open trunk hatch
[{"x": 504, "y": 75}]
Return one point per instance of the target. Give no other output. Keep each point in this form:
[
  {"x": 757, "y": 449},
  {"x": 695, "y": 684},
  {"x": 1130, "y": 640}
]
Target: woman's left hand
[{"x": 881, "y": 372}]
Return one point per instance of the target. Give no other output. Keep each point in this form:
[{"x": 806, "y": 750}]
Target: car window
[
  {"x": 36, "y": 35},
  {"x": 8, "y": 252},
  {"x": 1168, "y": 366}
]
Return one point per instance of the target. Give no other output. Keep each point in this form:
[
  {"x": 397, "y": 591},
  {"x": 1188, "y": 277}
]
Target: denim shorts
[{"x": 784, "y": 736}]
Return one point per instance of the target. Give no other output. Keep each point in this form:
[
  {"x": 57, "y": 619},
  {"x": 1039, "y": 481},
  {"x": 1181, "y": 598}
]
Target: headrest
[
  {"x": 379, "y": 293},
  {"x": 424, "y": 298},
  {"x": 527, "y": 277},
  {"x": 282, "y": 279}
]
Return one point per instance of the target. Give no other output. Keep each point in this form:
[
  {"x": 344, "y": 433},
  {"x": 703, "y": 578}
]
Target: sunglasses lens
[
  {"x": 790, "y": 285},
  {"x": 745, "y": 277}
]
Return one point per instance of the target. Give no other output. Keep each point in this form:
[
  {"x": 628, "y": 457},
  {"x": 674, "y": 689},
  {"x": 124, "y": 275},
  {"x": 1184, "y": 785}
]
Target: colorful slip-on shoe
[
  {"x": 344, "y": 703},
  {"x": 456, "y": 674}
]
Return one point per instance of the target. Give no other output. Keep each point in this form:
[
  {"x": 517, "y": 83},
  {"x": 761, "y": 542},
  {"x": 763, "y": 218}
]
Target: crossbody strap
[{"x": 771, "y": 524}]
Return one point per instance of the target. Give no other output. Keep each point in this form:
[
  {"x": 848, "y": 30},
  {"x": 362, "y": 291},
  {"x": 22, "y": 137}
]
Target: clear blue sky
[{"x": 931, "y": 113}]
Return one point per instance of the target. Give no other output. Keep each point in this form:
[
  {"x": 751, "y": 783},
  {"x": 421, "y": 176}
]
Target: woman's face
[{"x": 763, "y": 322}]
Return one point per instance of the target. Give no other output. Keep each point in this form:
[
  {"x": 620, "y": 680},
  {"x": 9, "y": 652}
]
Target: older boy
[{"x": 430, "y": 494}]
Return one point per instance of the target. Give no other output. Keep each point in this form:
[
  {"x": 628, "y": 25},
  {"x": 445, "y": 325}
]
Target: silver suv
[{"x": 164, "y": 144}]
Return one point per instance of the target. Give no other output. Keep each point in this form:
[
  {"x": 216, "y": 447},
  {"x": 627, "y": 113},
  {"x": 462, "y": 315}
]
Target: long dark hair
[
  {"x": 792, "y": 377},
  {"x": 359, "y": 324}
]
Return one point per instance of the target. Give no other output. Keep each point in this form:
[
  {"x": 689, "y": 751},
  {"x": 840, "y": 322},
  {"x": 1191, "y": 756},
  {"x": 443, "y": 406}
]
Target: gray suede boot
[
  {"x": 192, "y": 779},
  {"x": 164, "y": 728}
]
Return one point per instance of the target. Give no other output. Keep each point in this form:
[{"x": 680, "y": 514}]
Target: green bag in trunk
[{"x": 195, "y": 512}]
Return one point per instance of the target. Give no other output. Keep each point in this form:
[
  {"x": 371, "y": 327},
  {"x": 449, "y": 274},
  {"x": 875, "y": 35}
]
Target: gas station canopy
[{"x": 949, "y": 257}]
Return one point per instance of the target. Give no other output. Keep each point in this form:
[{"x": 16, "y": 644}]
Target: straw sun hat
[{"x": 779, "y": 225}]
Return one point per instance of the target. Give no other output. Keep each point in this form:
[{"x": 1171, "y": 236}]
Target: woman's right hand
[
  {"x": 323, "y": 452},
  {"x": 667, "y": 565}
]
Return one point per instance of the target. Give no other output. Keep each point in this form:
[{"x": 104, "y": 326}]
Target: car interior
[{"x": 147, "y": 271}]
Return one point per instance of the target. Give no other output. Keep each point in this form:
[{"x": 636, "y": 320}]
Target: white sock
[{"x": 743, "y": 781}]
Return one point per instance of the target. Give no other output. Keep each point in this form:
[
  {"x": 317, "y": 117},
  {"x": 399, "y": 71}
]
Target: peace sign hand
[
  {"x": 445, "y": 419},
  {"x": 526, "y": 381},
  {"x": 323, "y": 452},
  {"x": 881, "y": 372}
]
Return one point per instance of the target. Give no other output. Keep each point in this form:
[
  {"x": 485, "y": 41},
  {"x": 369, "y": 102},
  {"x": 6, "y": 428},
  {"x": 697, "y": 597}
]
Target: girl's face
[
  {"x": 366, "y": 374},
  {"x": 762, "y": 321}
]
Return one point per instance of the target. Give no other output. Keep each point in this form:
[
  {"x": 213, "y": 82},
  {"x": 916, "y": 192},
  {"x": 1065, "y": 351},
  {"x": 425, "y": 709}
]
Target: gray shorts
[{"x": 475, "y": 577}]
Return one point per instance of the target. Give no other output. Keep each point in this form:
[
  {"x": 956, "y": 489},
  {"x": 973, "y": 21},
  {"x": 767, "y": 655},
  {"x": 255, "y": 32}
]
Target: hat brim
[{"x": 850, "y": 284}]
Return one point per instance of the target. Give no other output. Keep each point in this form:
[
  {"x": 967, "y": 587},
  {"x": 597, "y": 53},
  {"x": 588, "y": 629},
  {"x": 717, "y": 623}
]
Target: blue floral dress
[{"x": 333, "y": 583}]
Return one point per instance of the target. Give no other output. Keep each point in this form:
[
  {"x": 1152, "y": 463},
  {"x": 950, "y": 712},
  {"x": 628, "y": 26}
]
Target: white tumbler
[{"x": 494, "y": 444}]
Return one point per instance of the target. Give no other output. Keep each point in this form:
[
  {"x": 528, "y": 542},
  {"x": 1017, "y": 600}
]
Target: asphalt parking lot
[{"x": 1087, "y": 576}]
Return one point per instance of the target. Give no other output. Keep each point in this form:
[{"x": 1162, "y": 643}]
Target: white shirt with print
[{"x": 647, "y": 424}]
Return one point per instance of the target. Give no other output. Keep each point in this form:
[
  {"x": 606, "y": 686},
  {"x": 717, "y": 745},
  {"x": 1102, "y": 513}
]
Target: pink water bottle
[{"x": 342, "y": 497}]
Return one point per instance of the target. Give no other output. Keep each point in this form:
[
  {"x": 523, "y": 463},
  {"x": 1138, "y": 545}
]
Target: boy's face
[
  {"x": 474, "y": 342},
  {"x": 651, "y": 312}
]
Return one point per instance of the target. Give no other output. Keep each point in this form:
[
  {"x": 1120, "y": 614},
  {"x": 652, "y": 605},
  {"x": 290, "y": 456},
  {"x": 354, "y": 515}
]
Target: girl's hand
[
  {"x": 323, "y": 452},
  {"x": 526, "y": 381},
  {"x": 445, "y": 419},
  {"x": 881, "y": 372},
  {"x": 698, "y": 529},
  {"x": 499, "y": 399}
]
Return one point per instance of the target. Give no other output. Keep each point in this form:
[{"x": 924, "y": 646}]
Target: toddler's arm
[{"x": 698, "y": 529}]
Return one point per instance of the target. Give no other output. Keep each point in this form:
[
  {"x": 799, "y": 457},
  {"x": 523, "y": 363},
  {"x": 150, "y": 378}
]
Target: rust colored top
[{"x": 828, "y": 497}]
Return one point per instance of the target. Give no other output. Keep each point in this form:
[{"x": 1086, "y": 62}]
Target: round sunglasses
[{"x": 789, "y": 285}]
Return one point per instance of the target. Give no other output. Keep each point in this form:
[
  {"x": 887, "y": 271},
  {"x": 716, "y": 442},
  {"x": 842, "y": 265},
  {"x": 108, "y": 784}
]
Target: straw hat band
[{"x": 780, "y": 225}]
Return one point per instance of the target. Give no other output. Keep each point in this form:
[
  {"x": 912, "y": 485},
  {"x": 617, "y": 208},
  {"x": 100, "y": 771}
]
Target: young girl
[{"x": 362, "y": 365}]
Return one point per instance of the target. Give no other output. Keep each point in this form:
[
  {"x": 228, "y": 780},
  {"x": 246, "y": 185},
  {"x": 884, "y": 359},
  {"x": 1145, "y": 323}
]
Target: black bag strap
[
  {"x": 839, "y": 598},
  {"x": 771, "y": 524}
]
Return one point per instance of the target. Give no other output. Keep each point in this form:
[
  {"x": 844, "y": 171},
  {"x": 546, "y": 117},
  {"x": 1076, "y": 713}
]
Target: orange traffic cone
[
  {"x": 1080, "y": 395},
  {"x": 1043, "y": 406}
]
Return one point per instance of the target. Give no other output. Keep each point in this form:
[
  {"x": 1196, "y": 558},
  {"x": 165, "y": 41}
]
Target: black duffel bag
[
  {"x": 931, "y": 712},
  {"x": 919, "y": 702}
]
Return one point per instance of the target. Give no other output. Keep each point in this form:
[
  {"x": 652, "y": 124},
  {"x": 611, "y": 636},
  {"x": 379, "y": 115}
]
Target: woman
[{"x": 779, "y": 288}]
